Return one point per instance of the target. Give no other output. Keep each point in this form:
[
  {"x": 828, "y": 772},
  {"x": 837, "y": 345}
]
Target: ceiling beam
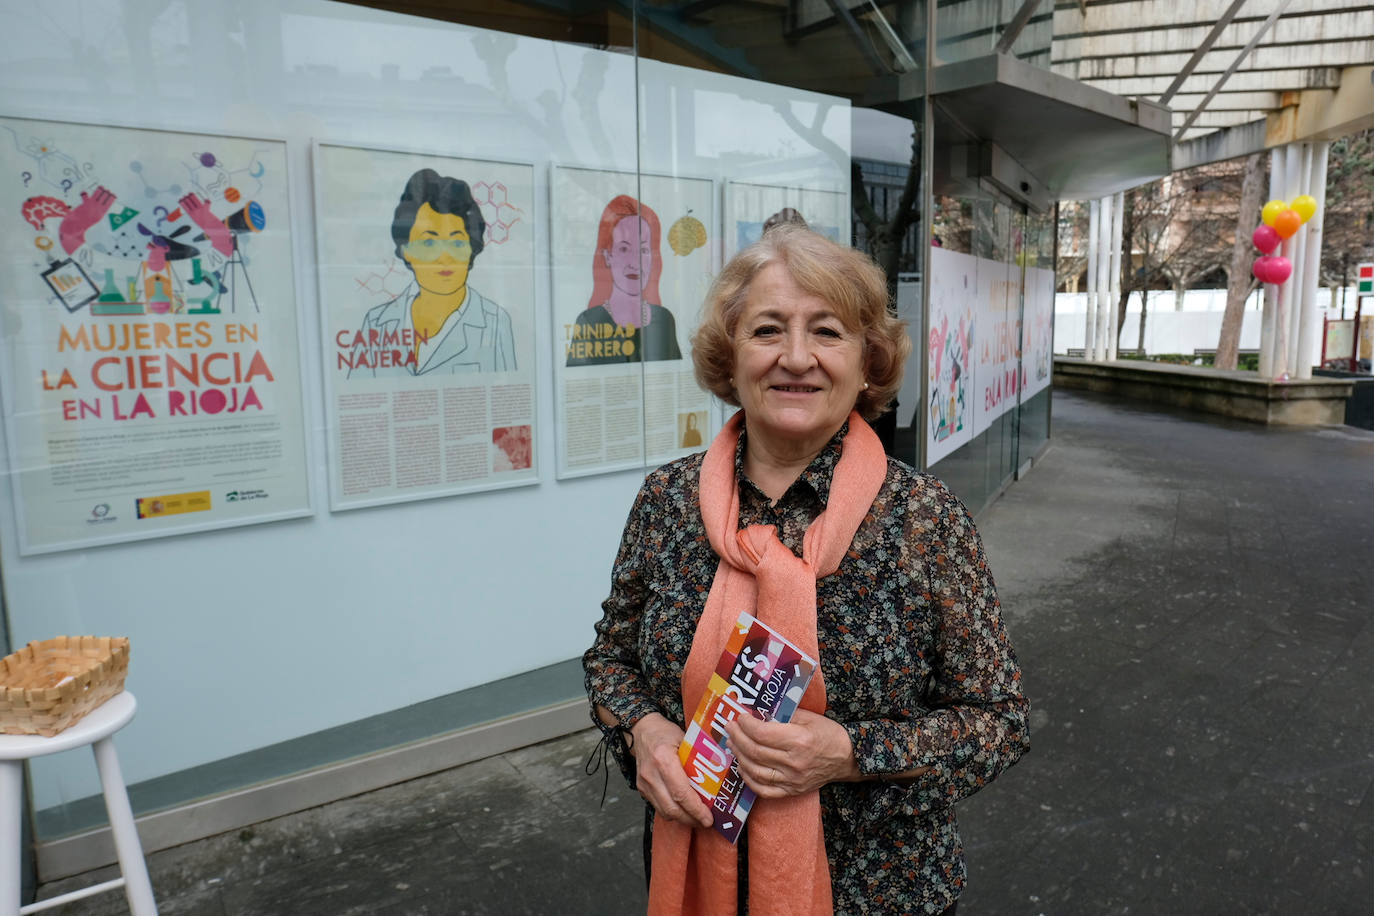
[
  {"x": 696, "y": 8},
  {"x": 1220, "y": 145},
  {"x": 1206, "y": 46},
  {"x": 1018, "y": 22},
  {"x": 1273, "y": 17},
  {"x": 1242, "y": 81},
  {"x": 856, "y": 32}
]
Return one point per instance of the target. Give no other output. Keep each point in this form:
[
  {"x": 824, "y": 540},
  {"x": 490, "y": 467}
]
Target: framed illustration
[
  {"x": 632, "y": 261},
  {"x": 1037, "y": 332},
  {"x": 426, "y": 268},
  {"x": 151, "y": 360},
  {"x": 750, "y": 208},
  {"x": 997, "y": 354},
  {"x": 949, "y": 352}
]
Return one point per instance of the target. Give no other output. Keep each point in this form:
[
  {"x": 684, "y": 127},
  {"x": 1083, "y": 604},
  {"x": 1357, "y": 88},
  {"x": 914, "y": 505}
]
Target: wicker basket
[{"x": 49, "y": 686}]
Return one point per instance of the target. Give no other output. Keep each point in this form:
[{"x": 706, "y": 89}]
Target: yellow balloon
[
  {"x": 1305, "y": 206},
  {"x": 1272, "y": 210}
]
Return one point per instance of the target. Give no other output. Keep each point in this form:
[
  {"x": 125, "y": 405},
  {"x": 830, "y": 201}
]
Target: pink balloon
[
  {"x": 1272, "y": 269},
  {"x": 1266, "y": 238}
]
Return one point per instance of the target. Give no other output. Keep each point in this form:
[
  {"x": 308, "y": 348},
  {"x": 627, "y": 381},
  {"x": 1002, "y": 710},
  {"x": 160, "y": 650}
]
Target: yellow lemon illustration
[{"x": 687, "y": 235}]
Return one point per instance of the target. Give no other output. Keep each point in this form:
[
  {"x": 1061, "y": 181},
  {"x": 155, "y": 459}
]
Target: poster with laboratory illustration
[
  {"x": 151, "y": 364},
  {"x": 1037, "y": 332},
  {"x": 751, "y": 209},
  {"x": 426, "y": 267},
  {"x": 949, "y": 350},
  {"x": 632, "y": 261}
]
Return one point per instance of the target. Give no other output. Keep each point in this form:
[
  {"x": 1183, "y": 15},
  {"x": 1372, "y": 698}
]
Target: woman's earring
[
  {"x": 865, "y": 386},
  {"x": 732, "y": 381}
]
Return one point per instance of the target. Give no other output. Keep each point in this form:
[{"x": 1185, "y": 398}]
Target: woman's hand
[
  {"x": 777, "y": 760},
  {"x": 659, "y": 774}
]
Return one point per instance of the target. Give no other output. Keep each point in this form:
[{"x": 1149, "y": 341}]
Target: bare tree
[
  {"x": 884, "y": 237},
  {"x": 952, "y": 223},
  {"x": 1073, "y": 245},
  {"x": 1348, "y": 220},
  {"x": 1176, "y": 230},
  {"x": 884, "y": 233}
]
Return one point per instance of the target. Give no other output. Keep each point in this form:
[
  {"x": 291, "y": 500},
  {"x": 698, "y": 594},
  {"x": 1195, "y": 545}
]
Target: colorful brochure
[{"x": 761, "y": 674}]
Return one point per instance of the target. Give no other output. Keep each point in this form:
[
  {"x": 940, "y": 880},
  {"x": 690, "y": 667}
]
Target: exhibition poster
[
  {"x": 949, "y": 348},
  {"x": 1037, "y": 332},
  {"x": 632, "y": 261},
  {"x": 426, "y": 278},
  {"x": 151, "y": 359},
  {"x": 750, "y": 209},
  {"x": 997, "y": 342}
]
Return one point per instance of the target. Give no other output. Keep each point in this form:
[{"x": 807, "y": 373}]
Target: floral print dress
[{"x": 917, "y": 664}]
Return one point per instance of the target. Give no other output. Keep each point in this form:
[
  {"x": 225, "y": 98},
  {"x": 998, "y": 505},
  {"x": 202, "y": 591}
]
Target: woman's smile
[{"x": 798, "y": 369}]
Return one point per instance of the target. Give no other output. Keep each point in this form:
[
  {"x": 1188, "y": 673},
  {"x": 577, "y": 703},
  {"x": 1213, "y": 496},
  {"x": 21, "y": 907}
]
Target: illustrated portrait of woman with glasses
[{"x": 448, "y": 325}]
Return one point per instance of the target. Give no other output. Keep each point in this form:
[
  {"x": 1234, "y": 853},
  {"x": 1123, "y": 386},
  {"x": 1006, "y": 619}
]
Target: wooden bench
[
  {"x": 1212, "y": 351},
  {"x": 1081, "y": 351}
]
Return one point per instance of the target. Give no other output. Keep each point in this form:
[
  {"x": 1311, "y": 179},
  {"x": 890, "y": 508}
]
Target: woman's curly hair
[{"x": 854, "y": 286}]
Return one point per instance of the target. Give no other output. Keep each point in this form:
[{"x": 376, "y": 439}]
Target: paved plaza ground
[{"x": 1191, "y": 602}]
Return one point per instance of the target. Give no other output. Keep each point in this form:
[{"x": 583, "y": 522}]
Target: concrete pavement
[{"x": 1191, "y": 602}]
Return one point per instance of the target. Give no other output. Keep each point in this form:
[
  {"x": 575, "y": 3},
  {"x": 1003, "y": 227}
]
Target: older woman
[{"x": 794, "y": 513}]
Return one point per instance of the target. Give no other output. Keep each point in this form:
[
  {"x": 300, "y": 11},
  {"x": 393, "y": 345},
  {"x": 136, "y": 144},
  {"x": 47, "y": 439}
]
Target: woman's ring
[{"x": 774, "y": 780}]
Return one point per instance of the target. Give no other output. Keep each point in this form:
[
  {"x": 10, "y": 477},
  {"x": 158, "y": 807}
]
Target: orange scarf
[{"x": 695, "y": 871}]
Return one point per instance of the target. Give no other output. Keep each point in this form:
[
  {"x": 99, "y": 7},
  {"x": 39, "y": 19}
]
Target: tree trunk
[
  {"x": 1238, "y": 286},
  {"x": 885, "y": 243},
  {"x": 1144, "y": 310},
  {"x": 1127, "y": 246}
]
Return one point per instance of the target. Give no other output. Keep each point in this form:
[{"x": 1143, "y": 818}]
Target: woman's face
[
  {"x": 629, "y": 258},
  {"x": 798, "y": 369},
  {"x": 439, "y": 251}
]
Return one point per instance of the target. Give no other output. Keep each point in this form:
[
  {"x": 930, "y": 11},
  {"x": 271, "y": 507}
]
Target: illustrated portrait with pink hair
[{"x": 625, "y": 321}]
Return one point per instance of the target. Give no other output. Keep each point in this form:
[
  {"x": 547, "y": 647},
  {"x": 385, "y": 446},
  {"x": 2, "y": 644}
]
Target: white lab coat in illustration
[{"x": 476, "y": 338}]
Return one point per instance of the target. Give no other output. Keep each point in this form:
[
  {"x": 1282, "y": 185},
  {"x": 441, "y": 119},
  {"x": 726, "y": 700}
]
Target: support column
[
  {"x": 1307, "y": 328},
  {"x": 1090, "y": 312},
  {"x": 1114, "y": 284},
  {"x": 1282, "y": 314},
  {"x": 1299, "y": 257},
  {"x": 1104, "y": 264},
  {"x": 1267, "y": 329}
]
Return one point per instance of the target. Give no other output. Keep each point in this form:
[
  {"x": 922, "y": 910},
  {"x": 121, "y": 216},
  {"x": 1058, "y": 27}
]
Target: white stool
[{"x": 96, "y": 729}]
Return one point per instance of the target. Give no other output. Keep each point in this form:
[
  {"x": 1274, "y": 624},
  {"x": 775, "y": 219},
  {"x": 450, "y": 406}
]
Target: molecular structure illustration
[{"x": 499, "y": 213}]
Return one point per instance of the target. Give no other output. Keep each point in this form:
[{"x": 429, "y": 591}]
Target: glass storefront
[{"x": 334, "y": 393}]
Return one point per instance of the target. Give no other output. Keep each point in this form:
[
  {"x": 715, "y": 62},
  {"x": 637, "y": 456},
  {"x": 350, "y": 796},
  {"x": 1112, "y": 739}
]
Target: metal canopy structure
[
  {"x": 1134, "y": 87},
  {"x": 1002, "y": 114},
  {"x": 1235, "y": 72},
  {"x": 1023, "y": 115}
]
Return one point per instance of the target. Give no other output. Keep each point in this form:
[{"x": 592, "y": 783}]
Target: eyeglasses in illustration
[{"x": 442, "y": 323}]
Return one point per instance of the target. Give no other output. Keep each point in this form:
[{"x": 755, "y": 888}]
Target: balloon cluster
[{"x": 1278, "y": 221}]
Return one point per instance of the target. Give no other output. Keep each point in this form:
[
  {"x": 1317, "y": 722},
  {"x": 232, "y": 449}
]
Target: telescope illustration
[
  {"x": 245, "y": 220},
  {"x": 248, "y": 218}
]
